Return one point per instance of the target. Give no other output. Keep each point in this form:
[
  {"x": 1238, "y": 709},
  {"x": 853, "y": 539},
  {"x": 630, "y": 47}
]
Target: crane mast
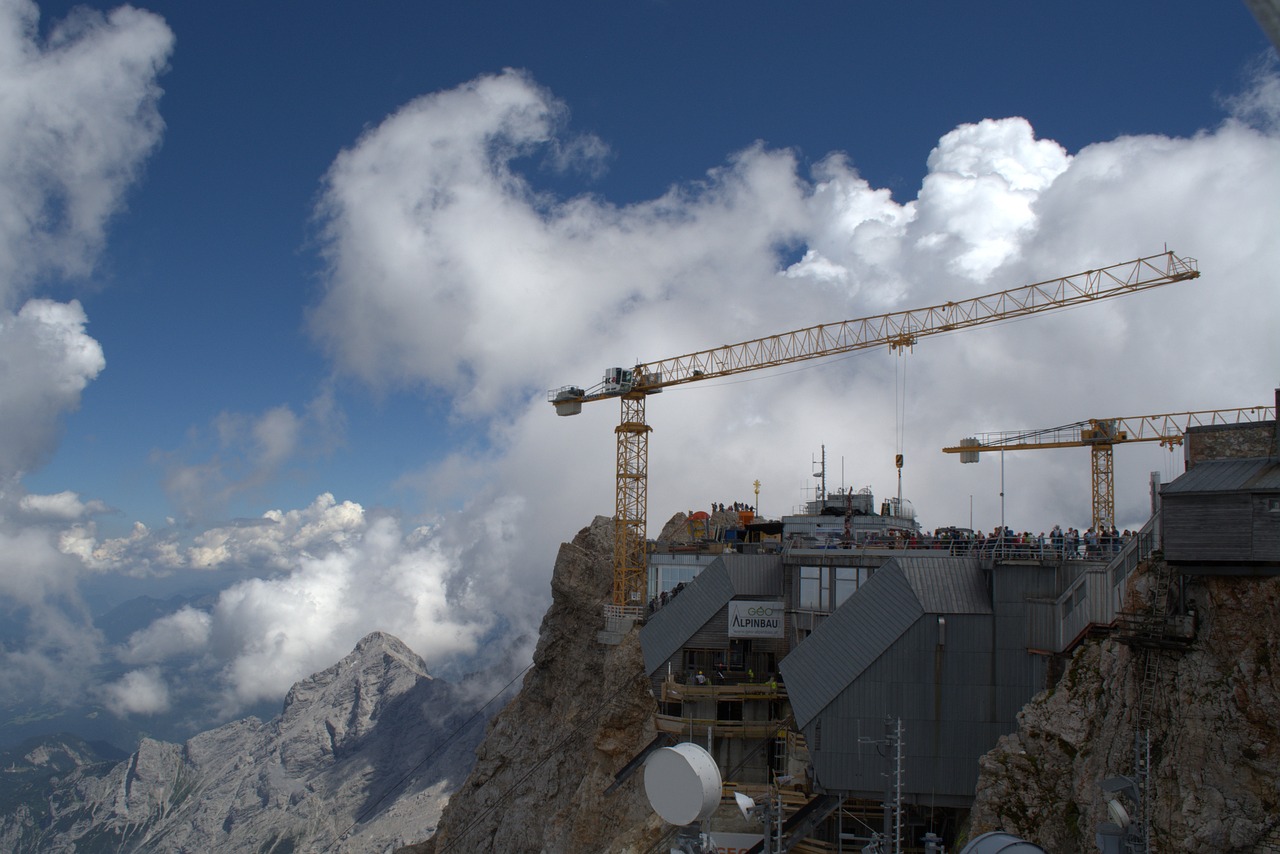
[
  {"x": 1100, "y": 436},
  {"x": 896, "y": 329}
]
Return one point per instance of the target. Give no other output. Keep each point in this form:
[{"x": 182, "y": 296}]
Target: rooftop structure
[{"x": 1222, "y": 517}]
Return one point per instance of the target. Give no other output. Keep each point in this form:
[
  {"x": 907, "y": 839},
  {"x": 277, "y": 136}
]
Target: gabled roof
[
  {"x": 1259, "y": 473},
  {"x": 731, "y": 575},
  {"x": 871, "y": 620},
  {"x": 947, "y": 585}
]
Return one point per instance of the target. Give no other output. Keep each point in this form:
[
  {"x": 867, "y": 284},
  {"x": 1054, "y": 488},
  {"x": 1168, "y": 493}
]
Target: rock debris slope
[
  {"x": 583, "y": 712},
  {"x": 1214, "y": 746},
  {"x": 340, "y": 769}
]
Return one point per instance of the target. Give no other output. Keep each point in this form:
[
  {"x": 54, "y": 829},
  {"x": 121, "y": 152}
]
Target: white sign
[{"x": 749, "y": 619}]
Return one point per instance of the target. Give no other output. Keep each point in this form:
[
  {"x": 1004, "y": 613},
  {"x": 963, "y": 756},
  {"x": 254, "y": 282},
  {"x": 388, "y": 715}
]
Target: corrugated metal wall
[
  {"x": 1207, "y": 527},
  {"x": 950, "y": 702},
  {"x": 957, "y": 681},
  {"x": 1266, "y": 527},
  {"x": 755, "y": 575},
  {"x": 849, "y": 641}
]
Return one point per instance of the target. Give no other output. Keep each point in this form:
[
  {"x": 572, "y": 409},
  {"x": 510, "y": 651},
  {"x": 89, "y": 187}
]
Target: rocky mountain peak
[
  {"x": 383, "y": 644},
  {"x": 361, "y": 758},
  {"x": 332, "y": 710}
]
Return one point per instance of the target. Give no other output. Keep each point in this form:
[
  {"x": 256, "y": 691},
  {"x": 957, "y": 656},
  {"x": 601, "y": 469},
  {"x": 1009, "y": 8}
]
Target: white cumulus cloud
[
  {"x": 271, "y": 632},
  {"x": 138, "y": 692},
  {"x": 185, "y": 631},
  {"x": 46, "y": 360},
  {"x": 78, "y": 117},
  {"x": 240, "y": 452},
  {"x": 62, "y": 506}
]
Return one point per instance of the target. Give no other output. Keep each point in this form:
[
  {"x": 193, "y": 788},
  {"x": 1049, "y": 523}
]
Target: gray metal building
[{"x": 937, "y": 642}]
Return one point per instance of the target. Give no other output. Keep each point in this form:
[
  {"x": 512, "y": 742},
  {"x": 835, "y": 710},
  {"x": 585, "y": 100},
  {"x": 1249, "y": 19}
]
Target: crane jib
[{"x": 897, "y": 329}]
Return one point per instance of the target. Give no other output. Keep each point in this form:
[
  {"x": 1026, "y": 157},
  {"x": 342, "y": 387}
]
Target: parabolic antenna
[
  {"x": 999, "y": 842},
  {"x": 682, "y": 783},
  {"x": 1118, "y": 813}
]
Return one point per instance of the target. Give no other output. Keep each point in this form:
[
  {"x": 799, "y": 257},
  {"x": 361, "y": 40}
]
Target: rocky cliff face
[
  {"x": 360, "y": 759},
  {"x": 583, "y": 712},
  {"x": 1214, "y": 748}
]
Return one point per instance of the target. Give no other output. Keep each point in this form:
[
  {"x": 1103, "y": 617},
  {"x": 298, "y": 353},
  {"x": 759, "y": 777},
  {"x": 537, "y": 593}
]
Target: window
[
  {"x": 669, "y": 575},
  {"x": 848, "y": 579},
  {"x": 1273, "y": 504},
  {"x": 729, "y": 710},
  {"x": 814, "y": 588}
]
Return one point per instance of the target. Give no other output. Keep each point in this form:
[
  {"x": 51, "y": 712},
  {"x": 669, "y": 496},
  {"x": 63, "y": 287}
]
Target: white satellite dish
[
  {"x": 1118, "y": 813},
  {"x": 682, "y": 783},
  {"x": 745, "y": 804}
]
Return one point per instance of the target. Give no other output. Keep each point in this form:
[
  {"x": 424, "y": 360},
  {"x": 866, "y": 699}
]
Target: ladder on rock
[{"x": 1150, "y": 636}]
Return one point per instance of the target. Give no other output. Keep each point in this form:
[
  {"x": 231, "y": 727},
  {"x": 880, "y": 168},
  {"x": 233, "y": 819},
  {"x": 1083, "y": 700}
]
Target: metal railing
[
  {"x": 1093, "y": 598},
  {"x": 1013, "y": 547}
]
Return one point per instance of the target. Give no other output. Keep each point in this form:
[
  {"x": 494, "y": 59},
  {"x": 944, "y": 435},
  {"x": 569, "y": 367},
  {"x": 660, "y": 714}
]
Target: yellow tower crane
[
  {"x": 1100, "y": 436},
  {"x": 897, "y": 329}
]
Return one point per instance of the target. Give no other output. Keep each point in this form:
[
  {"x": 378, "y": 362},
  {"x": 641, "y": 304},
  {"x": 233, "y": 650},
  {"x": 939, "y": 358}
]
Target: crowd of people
[
  {"x": 1069, "y": 544},
  {"x": 736, "y": 507},
  {"x": 1004, "y": 542}
]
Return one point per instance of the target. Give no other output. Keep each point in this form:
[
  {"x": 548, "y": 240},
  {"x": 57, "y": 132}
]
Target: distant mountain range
[
  {"x": 24, "y": 720},
  {"x": 362, "y": 757}
]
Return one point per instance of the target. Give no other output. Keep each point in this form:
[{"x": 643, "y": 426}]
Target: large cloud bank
[
  {"x": 78, "y": 116},
  {"x": 449, "y": 272}
]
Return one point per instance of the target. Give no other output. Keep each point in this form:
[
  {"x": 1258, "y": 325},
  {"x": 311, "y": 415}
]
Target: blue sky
[{"x": 357, "y": 252}]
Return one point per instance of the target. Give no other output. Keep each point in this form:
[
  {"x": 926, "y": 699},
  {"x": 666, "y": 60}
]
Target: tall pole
[{"x": 823, "y": 470}]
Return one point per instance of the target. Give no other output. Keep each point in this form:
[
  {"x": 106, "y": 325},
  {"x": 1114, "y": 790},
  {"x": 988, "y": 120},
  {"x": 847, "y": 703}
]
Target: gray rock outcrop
[
  {"x": 1215, "y": 750},
  {"x": 584, "y": 710}
]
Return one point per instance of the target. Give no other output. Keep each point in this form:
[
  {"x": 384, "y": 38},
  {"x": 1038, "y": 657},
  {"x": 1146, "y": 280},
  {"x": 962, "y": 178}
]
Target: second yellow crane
[{"x": 1100, "y": 436}]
